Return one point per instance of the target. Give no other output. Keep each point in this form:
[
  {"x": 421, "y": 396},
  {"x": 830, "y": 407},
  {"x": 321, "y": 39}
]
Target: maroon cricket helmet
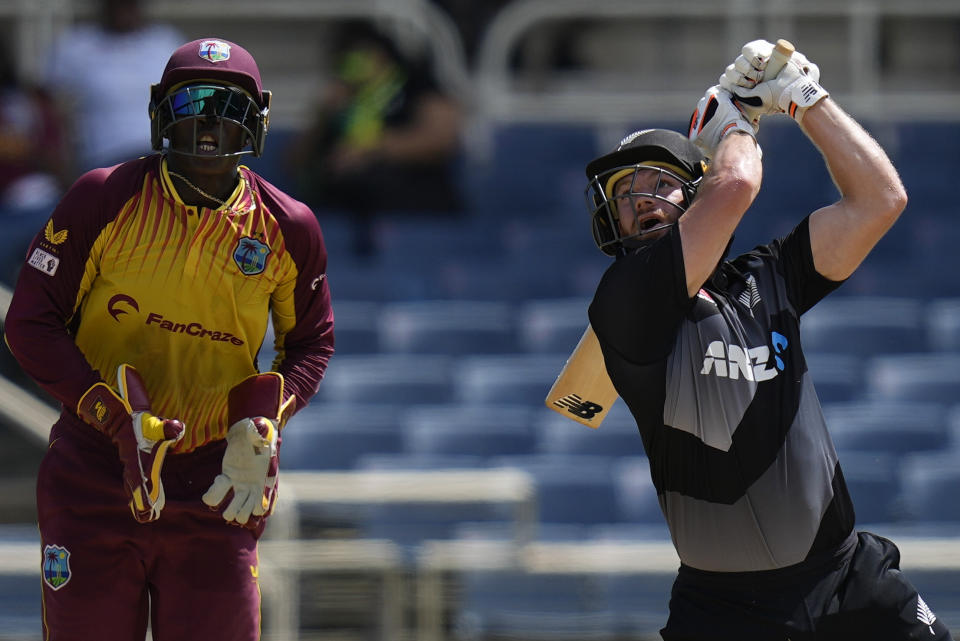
[{"x": 213, "y": 59}]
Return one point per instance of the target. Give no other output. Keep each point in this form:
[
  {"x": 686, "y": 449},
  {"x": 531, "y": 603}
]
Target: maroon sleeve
[
  {"x": 309, "y": 345},
  {"x": 44, "y": 306}
]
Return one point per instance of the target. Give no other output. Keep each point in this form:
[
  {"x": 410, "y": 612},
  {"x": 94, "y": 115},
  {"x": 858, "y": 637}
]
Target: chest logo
[
  {"x": 733, "y": 361},
  {"x": 250, "y": 255}
]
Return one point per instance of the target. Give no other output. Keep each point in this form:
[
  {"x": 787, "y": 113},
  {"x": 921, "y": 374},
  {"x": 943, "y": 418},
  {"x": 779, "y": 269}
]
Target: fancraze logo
[
  {"x": 192, "y": 329},
  {"x": 121, "y": 304}
]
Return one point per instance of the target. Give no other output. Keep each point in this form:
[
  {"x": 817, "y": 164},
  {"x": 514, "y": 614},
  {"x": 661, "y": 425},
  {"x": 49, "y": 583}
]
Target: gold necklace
[{"x": 197, "y": 189}]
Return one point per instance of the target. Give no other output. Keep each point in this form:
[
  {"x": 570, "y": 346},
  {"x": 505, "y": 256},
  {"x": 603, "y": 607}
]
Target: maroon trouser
[{"x": 193, "y": 574}]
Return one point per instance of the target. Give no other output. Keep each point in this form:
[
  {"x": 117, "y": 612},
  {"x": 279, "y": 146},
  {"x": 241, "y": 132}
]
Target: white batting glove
[
  {"x": 793, "y": 89},
  {"x": 715, "y": 118},
  {"x": 249, "y": 470}
]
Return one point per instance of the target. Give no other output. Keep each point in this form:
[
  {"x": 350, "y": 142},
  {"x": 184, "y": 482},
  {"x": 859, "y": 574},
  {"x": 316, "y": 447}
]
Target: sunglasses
[{"x": 212, "y": 101}]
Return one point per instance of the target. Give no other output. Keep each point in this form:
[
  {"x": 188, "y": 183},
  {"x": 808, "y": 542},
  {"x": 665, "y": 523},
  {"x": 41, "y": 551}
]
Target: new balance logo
[
  {"x": 925, "y": 614},
  {"x": 574, "y": 404}
]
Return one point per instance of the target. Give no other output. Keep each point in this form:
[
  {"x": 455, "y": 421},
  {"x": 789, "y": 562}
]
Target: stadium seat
[
  {"x": 889, "y": 427},
  {"x": 548, "y": 606},
  {"x": 914, "y": 377},
  {"x": 616, "y": 436},
  {"x": 638, "y": 602},
  {"x": 943, "y": 324},
  {"x": 388, "y": 379},
  {"x": 874, "y": 485},
  {"x": 931, "y": 487},
  {"x": 637, "y": 500},
  {"x": 517, "y": 378},
  {"x": 864, "y": 326},
  {"x": 552, "y": 326},
  {"x": 356, "y": 327},
  {"x": 836, "y": 377},
  {"x": 407, "y": 461},
  {"x": 335, "y": 447},
  {"x": 454, "y": 327},
  {"x": 469, "y": 430},
  {"x": 570, "y": 489}
]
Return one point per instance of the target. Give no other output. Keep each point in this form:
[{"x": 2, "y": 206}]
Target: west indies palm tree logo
[
  {"x": 56, "y": 566},
  {"x": 250, "y": 256}
]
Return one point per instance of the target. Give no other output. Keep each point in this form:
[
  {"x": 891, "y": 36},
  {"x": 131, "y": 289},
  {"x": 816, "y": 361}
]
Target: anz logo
[{"x": 734, "y": 362}]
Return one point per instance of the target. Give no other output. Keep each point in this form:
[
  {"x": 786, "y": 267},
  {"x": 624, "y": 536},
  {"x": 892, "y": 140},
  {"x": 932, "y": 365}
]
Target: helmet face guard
[
  {"x": 603, "y": 203},
  {"x": 659, "y": 151},
  {"x": 204, "y": 101}
]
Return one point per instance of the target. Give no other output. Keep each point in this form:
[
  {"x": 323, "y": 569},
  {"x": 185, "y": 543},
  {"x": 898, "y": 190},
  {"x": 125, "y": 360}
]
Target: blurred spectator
[
  {"x": 32, "y": 163},
  {"x": 98, "y": 73},
  {"x": 32, "y": 152},
  {"x": 384, "y": 137}
]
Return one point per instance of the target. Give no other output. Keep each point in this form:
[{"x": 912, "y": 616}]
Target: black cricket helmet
[
  {"x": 210, "y": 78},
  {"x": 668, "y": 152}
]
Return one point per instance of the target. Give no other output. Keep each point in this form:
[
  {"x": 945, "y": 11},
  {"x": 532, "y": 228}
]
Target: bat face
[{"x": 583, "y": 392}]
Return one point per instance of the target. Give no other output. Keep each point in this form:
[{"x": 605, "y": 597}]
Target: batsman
[
  {"x": 141, "y": 308},
  {"x": 705, "y": 350}
]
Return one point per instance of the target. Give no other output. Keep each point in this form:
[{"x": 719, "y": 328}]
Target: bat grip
[{"x": 781, "y": 54}]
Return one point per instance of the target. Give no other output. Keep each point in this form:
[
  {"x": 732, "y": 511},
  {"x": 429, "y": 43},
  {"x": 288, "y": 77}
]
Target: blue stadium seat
[
  {"x": 334, "y": 447},
  {"x": 931, "y": 377},
  {"x": 534, "y": 169},
  {"x": 469, "y": 430},
  {"x": 931, "y": 487},
  {"x": 407, "y": 461},
  {"x": 943, "y": 324},
  {"x": 874, "y": 484},
  {"x": 638, "y": 602},
  {"x": 454, "y": 327},
  {"x": 401, "y": 379},
  {"x": 570, "y": 489},
  {"x": 617, "y": 435},
  {"x": 888, "y": 427},
  {"x": 637, "y": 499},
  {"x": 356, "y": 330},
  {"x": 409, "y": 524},
  {"x": 864, "y": 326},
  {"x": 836, "y": 377},
  {"x": 517, "y": 378},
  {"x": 552, "y": 326},
  {"x": 511, "y": 604}
]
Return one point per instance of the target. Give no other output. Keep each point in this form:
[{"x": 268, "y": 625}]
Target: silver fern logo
[
  {"x": 925, "y": 614},
  {"x": 750, "y": 297}
]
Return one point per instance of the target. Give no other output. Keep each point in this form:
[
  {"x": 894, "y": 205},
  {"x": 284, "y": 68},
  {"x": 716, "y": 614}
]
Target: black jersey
[{"x": 745, "y": 470}]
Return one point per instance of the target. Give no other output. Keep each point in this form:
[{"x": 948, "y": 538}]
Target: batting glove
[
  {"x": 792, "y": 89},
  {"x": 715, "y": 118},
  {"x": 247, "y": 486},
  {"x": 141, "y": 438}
]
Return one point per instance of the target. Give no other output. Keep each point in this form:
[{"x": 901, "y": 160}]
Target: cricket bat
[
  {"x": 781, "y": 54},
  {"x": 583, "y": 392}
]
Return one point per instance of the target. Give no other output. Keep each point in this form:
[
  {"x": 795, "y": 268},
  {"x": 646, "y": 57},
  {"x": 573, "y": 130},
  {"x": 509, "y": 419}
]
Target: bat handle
[{"x": 781, "y": 54}]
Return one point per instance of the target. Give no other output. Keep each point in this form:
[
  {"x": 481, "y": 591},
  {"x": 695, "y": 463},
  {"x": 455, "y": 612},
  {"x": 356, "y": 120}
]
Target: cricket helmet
[
  {"x": 660, "y": 150},
  {"x": 210, "y": 78}
]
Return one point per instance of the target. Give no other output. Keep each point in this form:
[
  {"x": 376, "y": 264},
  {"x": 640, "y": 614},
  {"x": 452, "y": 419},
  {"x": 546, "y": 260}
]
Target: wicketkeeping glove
[
  {"x": 716, "y": 117},
  {"x": 248, "y": 483},
  {"x": 792, "y": 90},
  {"x": 142, "y": 439}
]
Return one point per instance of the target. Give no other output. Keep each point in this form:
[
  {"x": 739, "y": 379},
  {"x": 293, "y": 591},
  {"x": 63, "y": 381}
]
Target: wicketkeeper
[{"x": 141, "y": 308}]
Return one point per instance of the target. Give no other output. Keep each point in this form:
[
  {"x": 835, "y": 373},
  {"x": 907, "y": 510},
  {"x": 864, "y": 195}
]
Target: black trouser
[{"x": 859, "y": 595}]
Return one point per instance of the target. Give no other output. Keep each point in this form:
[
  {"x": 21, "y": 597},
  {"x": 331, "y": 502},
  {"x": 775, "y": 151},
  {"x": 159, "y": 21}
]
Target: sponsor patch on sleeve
[{"x": 45, "y": 262}]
